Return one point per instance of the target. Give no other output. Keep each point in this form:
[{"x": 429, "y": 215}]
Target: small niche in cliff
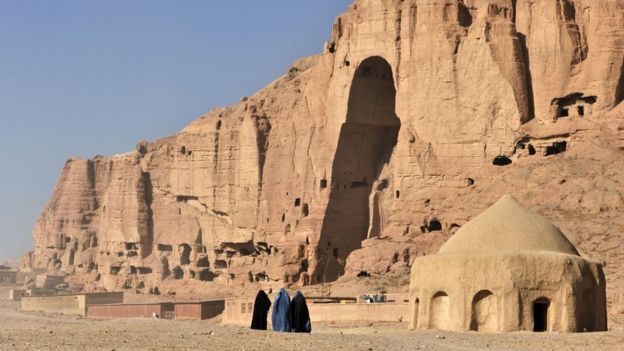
[
  {"x": 206, "y": 275},
  {"x": 178, "y": 273},
  {"x": 556, "y": 148},
  {"x": 144, "y": 270},
  {"x": 261, "y": 277},
  {"x": 323, "y": 184},
  {"x": 114, "y": 270},
  {"x": 183, "y": 150},
  {"x": 283, "y": 217},
  {"x": 72, "y": 255},
  {"x": 470, "y": 182},
  {"x": 186, "y": 198},
  {"x": 305, "y": 210},
  {"x": 131, "y": 246},
  {"x": 363, "y": 274},
  {"x": 221, "y": 264},
  {"x": 164, "y": 266},
  {"x": 435, "y": 225},
  {"x": 501, "y": 161},
  {"x": 464, "y": 17},
  {"x": 185, "y": 254},
  {"x": 218, "y": 126},
  {"x": 203, "y": 262},
  {"x": 297, "y": 202},
  {"x": 287, "y": 229},
  {"x": 531, "y": 150},
  {"x": 331, "y": 47},
  {"x": 263, "y": 247},
  {"x": 133, "y": 270},
  {"x": 165, "y": 247},
  {"x": 397, "y": 194}
]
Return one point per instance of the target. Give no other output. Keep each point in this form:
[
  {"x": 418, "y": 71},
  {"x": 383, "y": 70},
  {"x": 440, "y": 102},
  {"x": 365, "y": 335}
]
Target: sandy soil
[{"x": 37, "y": 331}]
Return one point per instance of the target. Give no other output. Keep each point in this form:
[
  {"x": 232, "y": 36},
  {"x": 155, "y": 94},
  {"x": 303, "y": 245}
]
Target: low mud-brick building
[{"x": 508, "y": 269}]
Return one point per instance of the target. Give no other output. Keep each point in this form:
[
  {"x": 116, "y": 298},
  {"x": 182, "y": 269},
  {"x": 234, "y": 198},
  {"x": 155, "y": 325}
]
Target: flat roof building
[{"x": 76, "y": 304}]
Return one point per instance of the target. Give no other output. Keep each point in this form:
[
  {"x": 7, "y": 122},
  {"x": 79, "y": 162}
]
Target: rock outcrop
[{"x": 417, "y": 116}]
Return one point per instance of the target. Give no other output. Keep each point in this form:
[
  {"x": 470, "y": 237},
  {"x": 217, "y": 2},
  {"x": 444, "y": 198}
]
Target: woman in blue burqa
[{"x": 280, "y": 311}]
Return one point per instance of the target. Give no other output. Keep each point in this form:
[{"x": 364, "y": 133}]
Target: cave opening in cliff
[
  {"x": 573, "y": 105},
  {"x": 178, "y": 273},
  {"x": 185, "y": 254},
  {"x": 365, "y": 146}
]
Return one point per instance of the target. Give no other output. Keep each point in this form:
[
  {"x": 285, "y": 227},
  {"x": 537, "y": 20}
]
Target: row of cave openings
[
  {"x": 555, "y": 148},
  {"x": 184, "y": 151},
  {"x": 576, "y": 105},
  {"x": 484, "y": 312},
  {"x": 301, "y": 207},
  {"x": 202, "y": 263},
  {"x": 201, "y": 268}
]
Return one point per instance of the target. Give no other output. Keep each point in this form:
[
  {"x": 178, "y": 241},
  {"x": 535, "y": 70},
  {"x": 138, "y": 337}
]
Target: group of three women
[{"x": 287, "y": 315}]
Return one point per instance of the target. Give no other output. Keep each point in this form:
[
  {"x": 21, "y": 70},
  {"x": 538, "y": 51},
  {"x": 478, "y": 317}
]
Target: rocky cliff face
[{"x": 416, "y": 117}]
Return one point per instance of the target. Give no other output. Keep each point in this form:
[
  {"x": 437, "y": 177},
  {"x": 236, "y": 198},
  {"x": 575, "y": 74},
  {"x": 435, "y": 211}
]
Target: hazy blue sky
[{"x": 82, "y": 78}]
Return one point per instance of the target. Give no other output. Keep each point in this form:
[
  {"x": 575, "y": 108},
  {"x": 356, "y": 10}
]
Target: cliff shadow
[
  {"x": 366, "y": 143},
  {"x": 529, "y": 77},
  {"x": 619, "y": 90}
]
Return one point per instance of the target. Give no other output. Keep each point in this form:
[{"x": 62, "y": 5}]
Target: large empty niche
[{"x": 366, "y": 143}]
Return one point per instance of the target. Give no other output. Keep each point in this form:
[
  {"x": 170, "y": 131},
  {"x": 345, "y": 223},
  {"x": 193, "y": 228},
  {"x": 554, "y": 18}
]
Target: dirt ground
[{"x": 38, "y": 331}]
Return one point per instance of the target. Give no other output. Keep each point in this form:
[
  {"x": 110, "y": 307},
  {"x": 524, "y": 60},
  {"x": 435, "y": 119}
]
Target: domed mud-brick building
[{"x": 506, "y": 270}]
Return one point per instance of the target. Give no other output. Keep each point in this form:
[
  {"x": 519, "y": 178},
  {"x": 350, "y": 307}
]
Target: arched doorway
[
  {"x": 439, "y": 313},
  {"x": 484, "y": 314},
  {"x": 366, "y": 143},
  {"x": 540, "y": 314}
]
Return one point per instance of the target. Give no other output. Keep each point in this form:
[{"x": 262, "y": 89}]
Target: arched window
[
  {"x": 484, "y": 313},
  {"x": 439, "y": 313}
]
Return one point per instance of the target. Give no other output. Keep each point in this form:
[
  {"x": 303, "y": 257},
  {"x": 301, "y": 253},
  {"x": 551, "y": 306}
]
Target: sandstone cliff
[{"x": 416, "y": 117}]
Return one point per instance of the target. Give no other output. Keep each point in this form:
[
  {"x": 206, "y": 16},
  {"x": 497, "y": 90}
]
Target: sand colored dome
[{"x": 508, "y": 226}]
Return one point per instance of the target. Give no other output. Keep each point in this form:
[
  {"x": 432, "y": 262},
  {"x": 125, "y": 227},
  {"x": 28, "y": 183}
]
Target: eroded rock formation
[{"x": 418, "y": 115}]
